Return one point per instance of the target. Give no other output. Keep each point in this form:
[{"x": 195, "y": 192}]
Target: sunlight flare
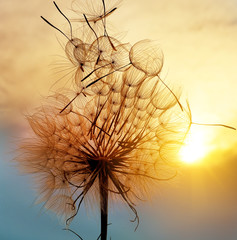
[{"x": 195, "y": 147}]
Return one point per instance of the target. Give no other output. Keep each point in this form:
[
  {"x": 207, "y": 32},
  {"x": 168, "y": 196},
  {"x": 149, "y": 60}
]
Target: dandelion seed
[{"x": 94, "y": 9}]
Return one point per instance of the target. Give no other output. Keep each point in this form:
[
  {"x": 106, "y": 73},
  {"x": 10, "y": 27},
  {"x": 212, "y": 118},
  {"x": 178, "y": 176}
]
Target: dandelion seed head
[
  {"x": 118, "y": 120},
  {"x": 122, "y": 129}
]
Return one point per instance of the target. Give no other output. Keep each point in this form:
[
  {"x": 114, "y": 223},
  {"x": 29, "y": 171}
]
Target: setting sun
[{"x": 194, "y": 148}]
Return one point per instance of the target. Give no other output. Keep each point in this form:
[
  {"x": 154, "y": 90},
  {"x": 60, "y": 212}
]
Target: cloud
[
  {"x": 198, "y": 39},
  {"x": 25, "y": 44}
]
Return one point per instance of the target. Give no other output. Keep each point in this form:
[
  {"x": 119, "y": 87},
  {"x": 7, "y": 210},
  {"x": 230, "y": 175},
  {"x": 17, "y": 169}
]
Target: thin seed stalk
[{"x": 103, "y": 185}]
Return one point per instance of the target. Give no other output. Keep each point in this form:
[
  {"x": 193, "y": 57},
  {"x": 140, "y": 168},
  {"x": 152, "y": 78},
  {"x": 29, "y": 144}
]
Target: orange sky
[{"x": 198, "y": 39}]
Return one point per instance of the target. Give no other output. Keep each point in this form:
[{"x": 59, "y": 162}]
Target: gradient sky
[{"x": 199, "y": 41}]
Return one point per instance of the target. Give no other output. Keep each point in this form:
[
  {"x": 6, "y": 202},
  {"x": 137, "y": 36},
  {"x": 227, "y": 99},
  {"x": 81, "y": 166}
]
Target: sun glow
[{"x": 195, "y": 147}]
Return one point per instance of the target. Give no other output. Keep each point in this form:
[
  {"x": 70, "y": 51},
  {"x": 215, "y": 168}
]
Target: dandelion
[{"x": 115, "y": 133}]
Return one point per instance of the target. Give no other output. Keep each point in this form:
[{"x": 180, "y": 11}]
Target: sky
[{"x": 198, "y": 39}]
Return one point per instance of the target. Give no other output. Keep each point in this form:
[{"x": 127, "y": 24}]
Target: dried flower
[{"x": 114, "y": 133}]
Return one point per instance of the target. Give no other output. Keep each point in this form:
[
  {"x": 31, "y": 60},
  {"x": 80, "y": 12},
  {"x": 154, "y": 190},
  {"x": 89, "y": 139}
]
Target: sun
[{"x": 195, "y": 147}]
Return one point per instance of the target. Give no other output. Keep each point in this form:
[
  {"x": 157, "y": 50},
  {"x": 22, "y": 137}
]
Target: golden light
[{"x": 195, "y": 147}]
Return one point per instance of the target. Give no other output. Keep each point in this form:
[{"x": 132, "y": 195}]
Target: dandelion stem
[{"x": 103, "y": 182}]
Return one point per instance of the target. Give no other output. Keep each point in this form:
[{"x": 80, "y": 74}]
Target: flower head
[{"x": 114, "y": 134}]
